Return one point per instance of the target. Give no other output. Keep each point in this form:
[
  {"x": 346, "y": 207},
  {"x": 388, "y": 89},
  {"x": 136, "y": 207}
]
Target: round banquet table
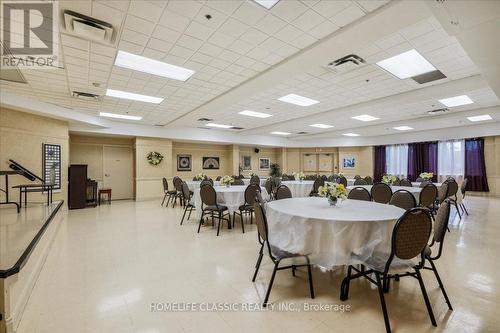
[
  {"x": 246, "y": 181},
  {"x": 299, "y": 189},
  {"x": 330, "y": 235},
  {"x": 232, "y": 197},
  {"x": 413, "y": 190},
  {"x": 194, "y": 184}
]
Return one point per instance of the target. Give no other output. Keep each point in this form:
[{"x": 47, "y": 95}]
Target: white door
[{"x": 118, "y": 171}]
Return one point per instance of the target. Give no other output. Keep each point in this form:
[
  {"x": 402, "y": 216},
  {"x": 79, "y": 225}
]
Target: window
[
  {"x": 52, "y": 164},
  {"x": 451, "y": 158},
  {"x": 396, "y": 159}
]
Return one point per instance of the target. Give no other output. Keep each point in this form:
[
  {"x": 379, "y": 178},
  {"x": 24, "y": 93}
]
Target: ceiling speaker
[{"x": 256, "y": 150}]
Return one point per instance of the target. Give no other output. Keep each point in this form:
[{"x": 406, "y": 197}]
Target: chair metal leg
[
  {"x": 382, "y": 303},
  {"x": 271, "y": 283},
  {"x": 441, "y": 285},
  {"x": 242, "y": 224},
  {"x": 183, "y": 215},
  {"x": 257, "y": 265},
  {"x": 309, "y": 273},
  {"x": 163, "y": 201},
  {"x": 464, "y": 209},
  {"x": 201, "y": 221},
  {"x": 344, "y": 286},
  {"x": 218, "y": 225},
  {"x": 426, "y": 298},
  {"x": 190, "y": 211}
]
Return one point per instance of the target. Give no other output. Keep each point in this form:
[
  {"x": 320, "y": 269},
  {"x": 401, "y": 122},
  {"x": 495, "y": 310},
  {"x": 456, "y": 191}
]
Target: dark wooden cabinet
[{"x": 77, "y": 187}]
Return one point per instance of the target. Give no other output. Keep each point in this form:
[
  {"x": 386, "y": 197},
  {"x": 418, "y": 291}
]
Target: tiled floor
[{"x": 108, "y": 265}]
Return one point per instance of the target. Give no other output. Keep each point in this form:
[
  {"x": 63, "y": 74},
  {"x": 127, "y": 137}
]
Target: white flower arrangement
[
  {"x": 200, "y": 176},
  {"x": 154, "y": 158},
  {"x": 340, "y": 174},
  {"x": 389, "y": 179},
  {"x": 333, "y": 191},
  {"x": 426, "y": 175},
  {"x": 299, "y": 175},
  {"x": 226, "y": 180},
  {"x": 251, "y": 174}
]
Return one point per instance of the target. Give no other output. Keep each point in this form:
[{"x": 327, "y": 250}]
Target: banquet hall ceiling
[{"x": 245, "y": 57}]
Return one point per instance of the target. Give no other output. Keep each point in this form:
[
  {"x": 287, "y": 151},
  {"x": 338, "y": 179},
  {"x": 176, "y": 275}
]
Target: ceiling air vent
[
  {"x": 85, "y": 96},
  {"x": 237, "y": 128},
  {"x": 88, "y": 27},
  {"x": 429, "y": 77},
  {"x": 437, "y": 111},
  {"x": 302, "y": 133},
  {"x": 205, "y": 119},
  {"x": 346, "y": 63}
]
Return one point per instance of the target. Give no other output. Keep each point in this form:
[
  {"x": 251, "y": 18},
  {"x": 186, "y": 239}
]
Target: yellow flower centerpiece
[
  {"x": 389, "y": 179},
  {"x": 426, "y": 175},
  {"x": 333, "y": 192},
  {"x": 226, "y": 181},
  {"x": 299, "y": 175}
]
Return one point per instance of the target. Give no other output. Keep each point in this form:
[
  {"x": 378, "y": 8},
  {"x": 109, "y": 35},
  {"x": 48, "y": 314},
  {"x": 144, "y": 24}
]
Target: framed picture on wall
[
  {"x": 264, "y": 163},
  {"x": 183, "y": 162},
  {"x": 211, "y": 163},
  {"x": 349, "y": 162},
  {"x": 309, "y": 162},
  {"x": 247, "y": 163}
]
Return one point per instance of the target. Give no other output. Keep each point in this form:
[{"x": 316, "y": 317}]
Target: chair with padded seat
[
  {"x": 255, "y": 180},
  {"x": 187, "y": 198},
  {"x": 209, "y": 206},
  {"x": 463, "y": 189},
  {"x": 169, "y": 194},
  {"x": 452, "y": 193},
  {"x": 359, "y": 193},
  {"x": 275, "y": 254},
  {"x": 318, "y": 182},
  {"x": 427, "y": 196},
  {"x": 381, "y": 193},
  {"x": 247, "y": 207},
  {"x": 238, "y": 182},
  {"x": 403, "y": 199},
  {"x": 282, "y": 192},
  {"x": 369, "y": 180},
  {"x": 405, "y": 182},
  {"x": 359, "y": 182},
  {"x": 342, "y": 180}
]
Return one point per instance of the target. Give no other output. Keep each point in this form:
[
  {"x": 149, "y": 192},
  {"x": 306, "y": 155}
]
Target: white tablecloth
[
  {"x": 350, "y": 181},
  {"x": 194, "y": 184},
  {"x": 438, "y": 185},
  {"x": 232, "y": 197},
  {"x": 299, "y": 189},
  {"x": 413, "y": 190},
  {"x": 330, "y": 235},
  {"x": 247, "y": 181}
]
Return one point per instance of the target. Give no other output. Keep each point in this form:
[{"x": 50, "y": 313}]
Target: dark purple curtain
[
  {"x": 422, "y": 157},
  {"x": 379, "y": 166},
  {"x": 475, "y": 168}
]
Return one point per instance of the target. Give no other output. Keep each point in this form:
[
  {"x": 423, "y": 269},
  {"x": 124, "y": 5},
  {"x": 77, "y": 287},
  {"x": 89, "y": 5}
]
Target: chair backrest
[
  {"x": 428, "y": 195},
  {"x": 403, "y": 199},
  {"x": 360, "y": 181},
  {"x": 317, "y": 183},
  {"x": 410, "y": 236},
  {"x": 357, "y": 177},
  {"x": 342, "y": 180},
  {"x": 381, "y": 193},
  {"x": 238, "y": 182},
  {"x": 324, "y": 177},
  {"x": 369, "y": 180},
  {"x": 261, "y": 221},
  {"x": 255, "y": 180},
  {"x": 405, "y": 182},
  {"x": 285, "y": 177},
  {"x": 207, "y": 181},
  {"x": 251, "y": 192},
  {"x": 441, "y": 221},
  {"x": 452, "y": 188},
  {"x": 282, "y": 192},
  {"x": 442, "y": 192},
  {"x": 185, "y": 191},
  {"x": 425, "y": 183},
  {"x": 177, "y": 183},
  {"x": 269, "y": 185},
  {"x": 463, "y": 187},
  {"x": 396, "y": 182},
  {"x": 165, "y": 185},
  {"x": 419, "y": 180},
  {"x": 218, "y": 178},
  {"x": 208, "y": 195},
  {"x": 359, "y": 193},
  {"x": 290, "y": 177},
  {"x": 195, "y": 178}
]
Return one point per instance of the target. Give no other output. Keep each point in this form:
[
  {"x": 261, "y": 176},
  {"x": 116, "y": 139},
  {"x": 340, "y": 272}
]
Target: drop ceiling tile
[
  {"x": 174, "y": 21},
  {"x": 270, "y": 24},
  {"x": 330, "y": 8},
  {"x": 258, "y": 53},
  {"x": 186, "y": 8},
  {"x": 210, "y": 49},
  {"x": 348, "y": 15},
  {"x": 240, "y": 46},
  {"x": 181, "y": 51},
  {"x": 159, "y": 45},
  {"x": 145, "y": 10},
  {"x": 371, "y": 5},
  {"x": 288, "y": 34},
  {"x": 303, "y": 41},
  {"x": 233, "y": 28},
  {"x": 121, "y": 5},
  {"x": 139, "y": 25},
  {"x": 308, "y": 20},
  {"x": 102, "y": 50},
  {"x": 288, "y": 10},
  {"x": 165, "y": 34},
  {"x": 229, "y": 56},
  {"x": 324, "y": 29},
  {"x": 190, "y": 42},
  {"x": 134, "y": 37},
  {"x": 253, "y": 36},
  {"x": 227, "y": 7},
  {"x": 249, "y": 12},
  {"x": 198, "y": 30},
  {"x": 221, "y": 39},
  {"x": 286, "y": 50},
  {"x": 390, "y": 41},
  {"x": 75, "y": 42}
]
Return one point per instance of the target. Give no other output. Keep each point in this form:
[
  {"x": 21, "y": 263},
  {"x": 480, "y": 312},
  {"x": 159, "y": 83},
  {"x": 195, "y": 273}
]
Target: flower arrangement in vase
[
  {"x": 333, "y": 192},
  {"x": 299, "y": 175},
  {"x": 251, "y": 174},
  {"x": 200, "y": 176},
  {"x": 426, "y": 175},
  {"x": 389, "y": 179},
  {"x": 226, "y": 181}
]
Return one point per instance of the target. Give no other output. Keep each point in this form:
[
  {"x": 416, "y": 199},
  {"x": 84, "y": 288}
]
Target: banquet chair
[
  {"x": 283, "y": 192},
  {"x": 275, "y": 254},
  {"x": 403, "y": 199},
  {"x": 178, "y": 191},
  {"x": 419, "y": 180},
  {"x": 405, "y": 182},
  {"x": 247, "y": 207},
  {"x": 218, "y": 178},
  {"x": 463, "y": 188},
  {"x": 238, "y": 182},
  {"x": 442, "y": 193},
  {"x": 397, "y": 182},
  {"x": 360, "y": 181},
  {"x": 427, "y": 196},
  {"x": 425, "y": 183},
  {"x": 316, "y": 185},
  {"x": 187, "y": 197},
  {"x": 284, "y": 177},
  {"x": 342, "y": 180},
  {"x": 381, "y": 193},
  {"x": 209, "y": 206},
  {"x": 324, "y": 177},
  {"x": 290, "y": 177},
  {"x": 168, "y": 193},
  {"x": 440, "y": 227},
  {"x": 359, "y": 193},
  {"x": 207, "y": 181},
  {"x": 452, "y": 194},
  {"x": 369, "y": 180},
  {"x": 408, "y": 242},
  {"x": 255, "y": 180},
  {"x": 268, "y": 185},
  {"x": 357, "y": 177}
]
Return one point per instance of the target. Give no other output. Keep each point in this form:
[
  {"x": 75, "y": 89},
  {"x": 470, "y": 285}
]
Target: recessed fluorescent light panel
[
  {"x": 255, "y": 114},
  {"x": 134, "y": 97},
  {"x": 480, "y": 118},
  {"x": 407, "y": 64},
  {"x": 321, "y": 126},
  {"x": 365, "y": 117},
  {"x": 456, "y": 101},
  {"x": 350, "y": 134},
  {"x": 219, "y": 125},
  {"x": 403, "y": 128},
  {"x": 119, "y": 116},
  {"x": 281, "y": 133},
  {"x": 298, "y": 100},
  {"x": 151, "y": 66},
  {"x": 268, "y": 4}
]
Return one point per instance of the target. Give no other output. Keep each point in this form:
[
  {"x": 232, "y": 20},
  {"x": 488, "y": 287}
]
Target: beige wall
[
  {"x": 21, "y": 138},
  {"x": 492, "y": 160},
  {"x": 364, "y": 161},
  {"x": 271, "y": 153},
  {"x": 197, "y": 152}
]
